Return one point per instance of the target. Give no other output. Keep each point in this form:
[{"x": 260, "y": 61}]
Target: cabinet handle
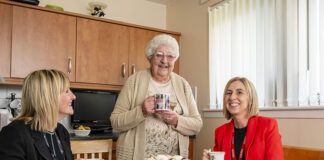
[
  {"x": 70, "y": 65},
  {"x": 134, "y": 70},
  {"x": 124, "y": 70}
]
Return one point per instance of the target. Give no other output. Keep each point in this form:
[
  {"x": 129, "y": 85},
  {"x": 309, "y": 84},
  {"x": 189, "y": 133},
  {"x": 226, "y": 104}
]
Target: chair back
[{"x": 92, "y": 148}]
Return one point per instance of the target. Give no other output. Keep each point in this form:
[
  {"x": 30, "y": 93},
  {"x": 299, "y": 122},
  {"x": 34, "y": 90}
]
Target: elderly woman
[
  {"x": 247, "y": 136},
  {"x": 144, "y": 132},
  {"x": 36, "y": 134}
]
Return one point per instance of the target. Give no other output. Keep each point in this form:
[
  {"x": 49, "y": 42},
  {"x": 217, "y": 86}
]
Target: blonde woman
[
  {"x": 36, "y": 134},
  {"x": 247, "y": 135}
]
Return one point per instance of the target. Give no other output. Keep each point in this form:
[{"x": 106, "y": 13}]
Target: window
[{"x": 278, "y": 45}]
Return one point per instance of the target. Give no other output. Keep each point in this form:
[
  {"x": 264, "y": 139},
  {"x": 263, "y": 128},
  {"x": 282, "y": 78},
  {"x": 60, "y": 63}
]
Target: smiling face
[
  {"x": 162, "y": 63},
  {"x": 237, "y": 99},
  {"x": 65, "y": 103}
]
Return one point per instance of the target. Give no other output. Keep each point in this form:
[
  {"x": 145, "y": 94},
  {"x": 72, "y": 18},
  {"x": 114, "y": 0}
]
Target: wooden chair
[
  {"x": 92, "y": 147},
  {"x": 300, "y": 153}
]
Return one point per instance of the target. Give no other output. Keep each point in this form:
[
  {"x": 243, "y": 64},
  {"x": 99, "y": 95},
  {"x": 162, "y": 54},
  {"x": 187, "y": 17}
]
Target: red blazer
[{"x": 263, "y": 141}]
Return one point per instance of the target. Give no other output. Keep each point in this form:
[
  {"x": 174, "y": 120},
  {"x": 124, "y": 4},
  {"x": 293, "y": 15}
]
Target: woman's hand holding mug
[
  {"x": 148, "y": 106},
  {"x": 206, "y": 154},
  {"x": 169, "y": 117}
]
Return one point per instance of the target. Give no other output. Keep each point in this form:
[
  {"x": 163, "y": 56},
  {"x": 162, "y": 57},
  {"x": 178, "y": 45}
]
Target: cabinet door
[
  {"x": 5, "y": 39},
  {"x": 42, "y": 40},
  {"x": 102, "y": 52},
  {"x": 177, "y": 63},
  {"x": 139, "y": 39}
]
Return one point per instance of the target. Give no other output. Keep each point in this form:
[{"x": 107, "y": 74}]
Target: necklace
[
  {"x": 51, "y": 134},
  {"x": 233, "y": 148}
]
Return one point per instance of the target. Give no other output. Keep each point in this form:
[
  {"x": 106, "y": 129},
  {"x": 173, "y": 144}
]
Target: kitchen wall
[
  {"x": 141, "y": 12},
  {"x": 191, "y": 19}
]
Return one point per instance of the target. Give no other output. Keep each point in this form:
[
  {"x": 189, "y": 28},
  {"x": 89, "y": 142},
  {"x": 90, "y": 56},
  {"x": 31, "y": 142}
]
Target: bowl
[
  {"x": 54, "y": 7},
  {"x": 82, "y": 133}
]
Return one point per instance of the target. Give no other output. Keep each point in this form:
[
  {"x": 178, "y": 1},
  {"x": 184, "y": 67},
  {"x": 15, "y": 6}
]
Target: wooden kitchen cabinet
[
  {"x": 5, "y": 39},
  {"x": 96, "y": 53},
  {"x": 42, "y": 40},
  {"x": 115, "y": 50},
  {"x": 139, "y": 39},
  {"x": 177, "y": 63},
  {"x": 102, "y": 52}
]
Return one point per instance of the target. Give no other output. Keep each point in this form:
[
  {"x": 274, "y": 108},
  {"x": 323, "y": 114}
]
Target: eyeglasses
[{"x": 161, "y": 55}]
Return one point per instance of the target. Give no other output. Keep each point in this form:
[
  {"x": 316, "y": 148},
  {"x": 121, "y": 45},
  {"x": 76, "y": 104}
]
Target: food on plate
[
  {"x": 167, "y": 157},
  {"x": 81, "y": 127},
  {"x": 161, "y": 157},
  {"x": 176, "y": 157}
]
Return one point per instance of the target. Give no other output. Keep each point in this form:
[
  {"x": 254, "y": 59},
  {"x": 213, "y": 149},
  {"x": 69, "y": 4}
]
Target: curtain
[{"x": 275, "y": 44}]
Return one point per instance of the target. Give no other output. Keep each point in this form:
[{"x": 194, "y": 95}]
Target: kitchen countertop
[
  {"x": 113, "y": 136},
  {"x": 98, "y": 136}
]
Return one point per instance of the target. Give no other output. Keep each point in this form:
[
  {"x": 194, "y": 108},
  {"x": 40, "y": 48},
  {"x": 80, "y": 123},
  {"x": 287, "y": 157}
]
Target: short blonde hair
[
  {"x": 253, "y": 107},
  {"x": 162, "y": 39},
  {"x": 40, "y": 98}
]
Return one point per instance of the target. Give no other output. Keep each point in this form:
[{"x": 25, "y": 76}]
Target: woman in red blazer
[{"x": 248, "y": 136}]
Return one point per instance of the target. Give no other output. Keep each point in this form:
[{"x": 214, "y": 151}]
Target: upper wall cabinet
[
  {"x": 139, "y": 39},
  {"x": 94, "y": 52},
  {"x": 42, "y": 40},
  {"x": 176, "y": 65},
  {"x": 102, "y": 52},
  {"x": 5, "y": 39}
]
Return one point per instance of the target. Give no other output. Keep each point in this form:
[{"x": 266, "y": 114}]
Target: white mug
[
  {"x": 219, "y": 155},
  {"x": 162, "y": 101}
]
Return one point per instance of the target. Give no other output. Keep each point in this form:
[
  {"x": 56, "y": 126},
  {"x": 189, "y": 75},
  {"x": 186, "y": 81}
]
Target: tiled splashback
[{"x": 5, "y": 94}]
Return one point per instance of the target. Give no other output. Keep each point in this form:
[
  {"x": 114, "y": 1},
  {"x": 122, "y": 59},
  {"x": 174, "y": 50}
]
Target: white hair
[{"x": 162, "y": 39}]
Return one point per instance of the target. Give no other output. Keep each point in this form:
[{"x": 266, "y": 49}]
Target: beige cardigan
[{"x": 128, "y": 118}]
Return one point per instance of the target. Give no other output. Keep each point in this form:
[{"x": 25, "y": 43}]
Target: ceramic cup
[
  {"x": 162, "y": 101},
  {"x": 217, "y": 155}
]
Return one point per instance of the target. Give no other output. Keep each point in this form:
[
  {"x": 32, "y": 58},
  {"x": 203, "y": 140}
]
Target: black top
[
  {"x": 19, "y": 142},
  {"x": 239, "y": 134}
]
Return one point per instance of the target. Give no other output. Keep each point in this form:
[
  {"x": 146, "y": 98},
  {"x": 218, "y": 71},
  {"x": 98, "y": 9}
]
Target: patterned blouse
[{"x": 161, "y": 138}]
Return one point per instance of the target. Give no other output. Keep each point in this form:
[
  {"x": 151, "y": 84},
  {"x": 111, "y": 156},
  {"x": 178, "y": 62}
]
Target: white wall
[{"x": 140, "y": 12}]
